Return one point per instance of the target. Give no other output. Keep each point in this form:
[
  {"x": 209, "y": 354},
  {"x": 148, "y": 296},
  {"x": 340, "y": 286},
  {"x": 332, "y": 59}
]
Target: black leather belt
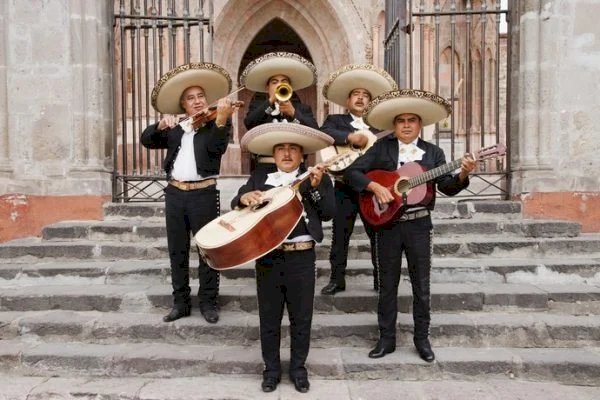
[
  {"x": 296, "y": 246},
  {"x": 187, "y": 186},
  {"x": 409, "y": 216}
]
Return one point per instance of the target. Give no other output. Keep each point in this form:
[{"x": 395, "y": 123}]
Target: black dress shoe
[
  {"x": 424, "y": 349},
  {"x": 332, "y": 288},
  {"x": 178, "y": 312},
  {"x": 301, "y": 384},
  {"x": 269, "y": 384},
  {"x": 381, "y": 350},
  {"x": 210, "y": 313}
]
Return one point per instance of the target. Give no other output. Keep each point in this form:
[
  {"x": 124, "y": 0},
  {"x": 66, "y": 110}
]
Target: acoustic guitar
[
  {"x": 409, "y": 187},
  {"x": 245, "y": 234},
  {"x": 350, "y": 153}
]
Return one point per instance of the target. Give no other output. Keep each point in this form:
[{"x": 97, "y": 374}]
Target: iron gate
[
  {"x": 151, "y": 37},
  {"x": 460, "y": 51}
]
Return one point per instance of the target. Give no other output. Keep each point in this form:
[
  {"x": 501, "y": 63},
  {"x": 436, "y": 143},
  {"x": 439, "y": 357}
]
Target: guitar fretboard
[{"x": 434, "y": 173}]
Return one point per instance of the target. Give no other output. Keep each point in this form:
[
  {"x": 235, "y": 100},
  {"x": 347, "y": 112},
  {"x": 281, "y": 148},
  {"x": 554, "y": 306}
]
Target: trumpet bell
[{"x": 283, "y": 92}]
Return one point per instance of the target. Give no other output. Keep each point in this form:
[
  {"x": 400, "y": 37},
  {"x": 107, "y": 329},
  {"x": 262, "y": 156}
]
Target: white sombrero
[
  {"x": 212, "y": 78},
  {"x": 302, "y": 73},
  {"x": 357, "y": 76},
  {"x": 382, "y": 109},
  {"x": 261, "y": 139}
]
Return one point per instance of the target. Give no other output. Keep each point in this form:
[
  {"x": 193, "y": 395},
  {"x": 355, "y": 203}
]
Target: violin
[{"x": 209, "y": 114}]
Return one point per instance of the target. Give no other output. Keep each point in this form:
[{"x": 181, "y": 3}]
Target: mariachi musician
[
  {"x": 352, "y": 87},
  {"x": 286, "y": 275},
  {"x": 192, "y": 163},
  {"x": 274, "y": 77},
  {"x": 405, "y": 111}
]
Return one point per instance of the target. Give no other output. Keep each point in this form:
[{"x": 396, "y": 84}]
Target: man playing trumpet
[{"x": 278, "y": 75}]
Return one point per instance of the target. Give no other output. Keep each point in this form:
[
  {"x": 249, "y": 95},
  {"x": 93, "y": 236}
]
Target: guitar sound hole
[
  {"x": 402, "y": 187},
  {"x": 261, "y": 205}
]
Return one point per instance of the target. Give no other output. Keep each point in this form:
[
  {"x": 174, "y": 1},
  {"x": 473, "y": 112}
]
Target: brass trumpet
[{"x": 283, "y": 92}]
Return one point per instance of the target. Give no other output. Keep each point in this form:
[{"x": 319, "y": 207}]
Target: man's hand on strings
[
  {"x": 251, "y": 198},
  {"x": 316, "y": 174},
  {"x": 382, "y": 194}
]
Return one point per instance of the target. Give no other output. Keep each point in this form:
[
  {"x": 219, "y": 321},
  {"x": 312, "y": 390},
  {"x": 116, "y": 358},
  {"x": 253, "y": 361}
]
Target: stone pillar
[
  {"x": 57, "y": 76},
  {"x": 5, "y": 168},
  {"x": 55, "y": 112},
  {"x": 554, "y": 143}
]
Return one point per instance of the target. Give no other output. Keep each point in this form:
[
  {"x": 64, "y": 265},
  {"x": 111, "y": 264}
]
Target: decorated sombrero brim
[
  {"x": 382, "y": 110},
  {"x": 261, "y": 139},
  {"x": 357, "y": 76},
  {"x": 301, "y": 72},
  {"x": 166, "y": 94}
]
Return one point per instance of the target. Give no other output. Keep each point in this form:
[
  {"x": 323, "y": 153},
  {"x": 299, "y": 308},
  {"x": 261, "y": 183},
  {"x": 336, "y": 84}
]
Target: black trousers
[
  {"x": 285, "y": 279},
  {"x": 415, "y": 239},
  {"x": 347, "y": 209},
  {"x": 186, "y": 212}
]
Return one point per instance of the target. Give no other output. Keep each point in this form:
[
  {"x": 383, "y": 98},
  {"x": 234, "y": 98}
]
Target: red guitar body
[{"x": 397, "y": 181}]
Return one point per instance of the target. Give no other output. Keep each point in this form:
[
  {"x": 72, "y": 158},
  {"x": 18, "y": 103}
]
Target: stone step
[
  {"x": 444, "y": 208},
  {"x": 506, "y": 245},
  {"x": 247, "y": 387},
  {"x": 31, "y": 358},
  {"x": 444, "y": 269},
  {"x": 241, "y": 296},
  {"x": 469, "y": 329},
  {"x": 135, "y": 231}
]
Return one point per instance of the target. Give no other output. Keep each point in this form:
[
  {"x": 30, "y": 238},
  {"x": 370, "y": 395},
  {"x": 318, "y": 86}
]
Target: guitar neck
[{"x": 434, "y": 173}]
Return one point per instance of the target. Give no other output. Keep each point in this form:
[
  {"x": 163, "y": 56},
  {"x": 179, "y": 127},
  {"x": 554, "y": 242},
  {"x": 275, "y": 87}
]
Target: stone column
[
  {"x": 555, "y": 144},
  {"x": 528, "y": 153},
  {"x": 4, "y": 153},
  {"x": 58, "y": 79},
  {"x": 91, "y": 69}
]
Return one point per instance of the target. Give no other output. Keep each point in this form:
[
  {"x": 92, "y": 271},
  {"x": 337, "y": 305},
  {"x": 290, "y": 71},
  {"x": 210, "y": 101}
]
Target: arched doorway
[
  {"x": 315, "y": 32},
  {"x": 274, "y": 36}
]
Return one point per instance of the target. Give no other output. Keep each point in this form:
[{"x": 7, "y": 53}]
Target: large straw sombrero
[
  {"x": 261, "y": 139},
  {"x": 382, "y": 109},
  {"x": 211, "y": 77},
  {"x": 302, "y": 73},
  {"x": 357, "y": 76}
]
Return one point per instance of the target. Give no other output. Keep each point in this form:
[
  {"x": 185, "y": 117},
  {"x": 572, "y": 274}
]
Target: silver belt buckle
[{"x": 403, "y": 217}]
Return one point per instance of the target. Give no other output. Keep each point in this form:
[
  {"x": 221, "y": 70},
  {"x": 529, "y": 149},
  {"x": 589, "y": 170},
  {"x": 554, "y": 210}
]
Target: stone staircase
[{"x": 515, "y": 301}]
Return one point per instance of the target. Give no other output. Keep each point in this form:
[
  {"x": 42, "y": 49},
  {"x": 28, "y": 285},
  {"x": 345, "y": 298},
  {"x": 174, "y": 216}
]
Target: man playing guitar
[
  {"x": 352, "y": 87},
  {"x": 406, "y": 112},
  {"x": 286, "y": 275}
]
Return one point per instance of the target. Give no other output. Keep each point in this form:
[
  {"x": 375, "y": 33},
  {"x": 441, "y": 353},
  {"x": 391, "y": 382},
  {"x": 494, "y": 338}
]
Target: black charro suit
[
  {"x": 413, "y": 237},
  {"x": 188, "y": 211},
  {"x": 338, "y": 126},
  {"x": 288, "y": 277}
]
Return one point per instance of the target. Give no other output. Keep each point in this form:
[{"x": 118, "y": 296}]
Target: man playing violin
[{"x": 192, "y": 164}]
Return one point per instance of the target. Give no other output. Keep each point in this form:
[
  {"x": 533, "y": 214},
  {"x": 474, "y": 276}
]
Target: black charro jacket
[{"x": 209, "y": 145}]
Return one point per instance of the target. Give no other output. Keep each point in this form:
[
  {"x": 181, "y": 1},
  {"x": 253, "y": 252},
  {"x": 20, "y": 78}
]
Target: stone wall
[
  {"x": 555, "y": 143},
  {"x": 55, "y": 110}
]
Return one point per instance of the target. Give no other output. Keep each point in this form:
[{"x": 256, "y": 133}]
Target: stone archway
[{"x": 316, "y": 23}]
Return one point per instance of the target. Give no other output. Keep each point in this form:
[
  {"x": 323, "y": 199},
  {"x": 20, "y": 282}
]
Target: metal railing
[
  {"x": 459, "y": 50},
  {"x": 150, "y": 38}
]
